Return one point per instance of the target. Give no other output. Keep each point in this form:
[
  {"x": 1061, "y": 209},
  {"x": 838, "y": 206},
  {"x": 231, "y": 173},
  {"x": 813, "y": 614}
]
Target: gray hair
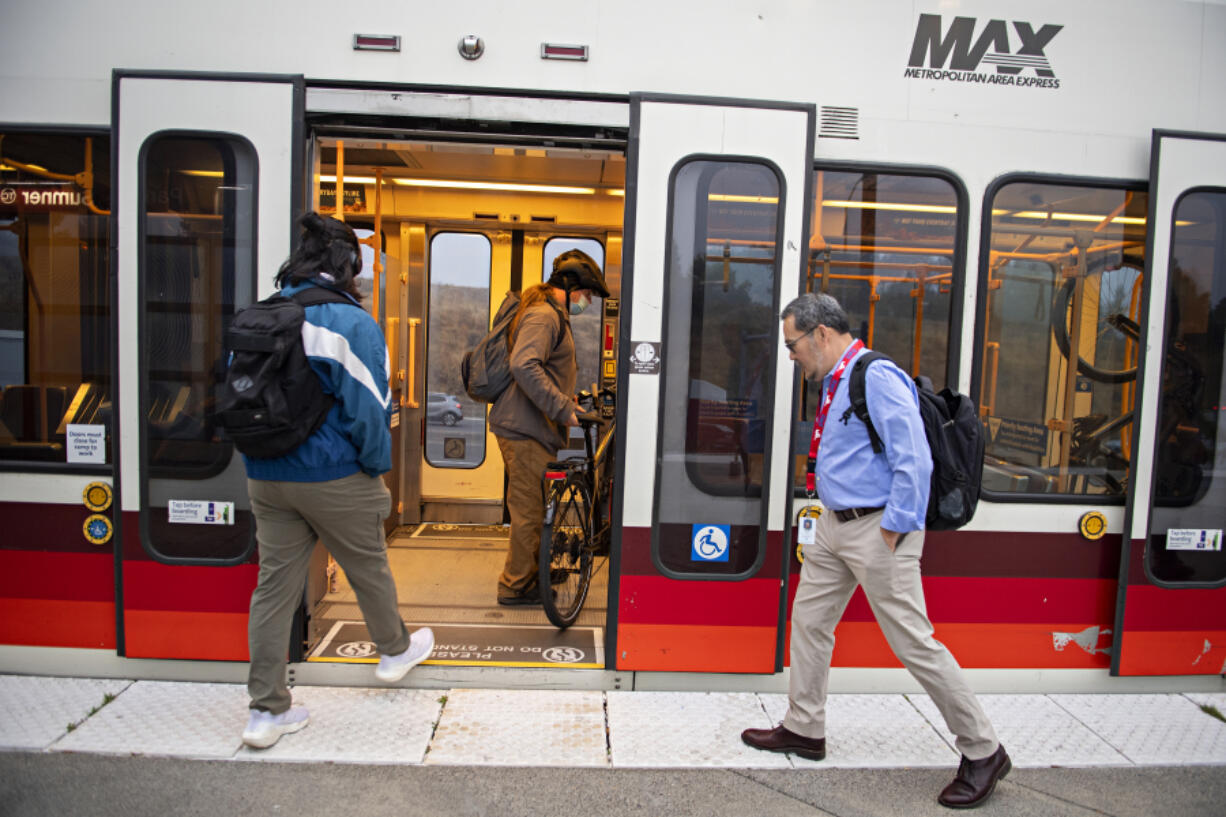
[{"x": 812, "y": 310}]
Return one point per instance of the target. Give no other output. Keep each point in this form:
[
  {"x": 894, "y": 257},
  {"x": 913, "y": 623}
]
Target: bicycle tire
[
  {"x": 566, "y": 547},
  {"x": 1061, "y": 303}
]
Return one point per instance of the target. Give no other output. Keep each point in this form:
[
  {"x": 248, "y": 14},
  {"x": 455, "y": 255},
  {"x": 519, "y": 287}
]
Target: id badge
[{"x": 806, "y": 525}]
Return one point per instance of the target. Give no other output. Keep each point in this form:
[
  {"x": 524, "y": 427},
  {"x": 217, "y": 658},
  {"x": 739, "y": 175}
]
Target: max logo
[{"x": 958, "y": 49}]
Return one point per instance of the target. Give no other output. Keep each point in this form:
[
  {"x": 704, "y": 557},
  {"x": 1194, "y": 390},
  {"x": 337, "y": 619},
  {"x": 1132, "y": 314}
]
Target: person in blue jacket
[{"x": 330, "y": 488}]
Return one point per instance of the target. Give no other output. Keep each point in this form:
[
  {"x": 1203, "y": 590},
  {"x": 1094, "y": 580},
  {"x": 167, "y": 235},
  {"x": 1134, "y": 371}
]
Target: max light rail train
[{"x": 1023, "y": 201}]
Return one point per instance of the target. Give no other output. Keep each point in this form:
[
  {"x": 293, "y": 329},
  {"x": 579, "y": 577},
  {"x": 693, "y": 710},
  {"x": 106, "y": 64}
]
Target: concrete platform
[{"x": 593, "y": 728}]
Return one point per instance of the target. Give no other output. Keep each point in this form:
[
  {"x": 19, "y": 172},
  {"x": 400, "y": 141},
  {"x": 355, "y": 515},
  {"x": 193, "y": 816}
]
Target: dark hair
[
  {"x": 327, "y": 253},
  {"x": 812, "y": 310}
]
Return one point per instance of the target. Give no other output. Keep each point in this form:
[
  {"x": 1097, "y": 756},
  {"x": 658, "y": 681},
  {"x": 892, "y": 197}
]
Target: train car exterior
[{"x": 1023, "y": 201}]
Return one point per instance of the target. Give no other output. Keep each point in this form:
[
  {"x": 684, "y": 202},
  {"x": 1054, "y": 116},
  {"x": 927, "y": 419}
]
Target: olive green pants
[
  {"x": 346, "y": 515},
  {"x": 525, "y": 462}
]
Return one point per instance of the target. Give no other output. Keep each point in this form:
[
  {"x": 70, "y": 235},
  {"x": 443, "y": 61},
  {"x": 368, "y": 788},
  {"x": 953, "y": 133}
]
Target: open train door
[
  {"x": 1171, "y": 607},
  {"x": 208, "y": 175},
  {"x": 717, "y": 197}
]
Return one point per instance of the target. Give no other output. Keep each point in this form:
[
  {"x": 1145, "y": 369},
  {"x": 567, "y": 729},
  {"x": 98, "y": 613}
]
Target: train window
[
  {"x": 1062, "y": 281},
  {"x": 884, "y": 244},
  {"x": 460, "y": 265},
  {"x": 55, "y": 301},
  {"x": 197, "y": 268},
  {"x": 720, "y": 332},
  {"x": 585, "y": 326},
  {"x": 1191, "y": 437}
]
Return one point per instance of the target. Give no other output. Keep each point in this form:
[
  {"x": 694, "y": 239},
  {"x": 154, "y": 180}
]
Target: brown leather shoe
[
  {"x": 784, "y": 740},
  {"x": 976, "y": 780}
]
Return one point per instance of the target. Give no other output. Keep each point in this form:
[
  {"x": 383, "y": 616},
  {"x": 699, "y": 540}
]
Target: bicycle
[{"x": 576, "y": 536}]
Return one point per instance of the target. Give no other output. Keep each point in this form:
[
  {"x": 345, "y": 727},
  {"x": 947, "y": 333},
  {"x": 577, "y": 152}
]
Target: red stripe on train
[
  {"x": 1002, "y": 600},
  {"x": 661, "y": 600},
  {"x": 57, "y": 623},
  {"x": 188, "y": 588},
  {"x": 46, "y": 526},
  {"x": 26, "y": 574},
  {"x": 1160, "y": 608}
]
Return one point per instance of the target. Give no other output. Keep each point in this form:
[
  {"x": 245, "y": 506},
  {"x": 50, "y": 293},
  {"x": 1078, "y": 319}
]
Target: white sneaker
[
  {"x": 394, "y": 667},
  {"x": 264, "y": 728}
]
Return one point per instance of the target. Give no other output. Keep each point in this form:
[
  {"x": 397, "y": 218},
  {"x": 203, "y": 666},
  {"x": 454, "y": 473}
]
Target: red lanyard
[{"x": 819, "y": 421}]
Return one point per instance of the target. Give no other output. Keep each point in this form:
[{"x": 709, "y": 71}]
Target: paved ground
[{"x": 120, "y": 747}]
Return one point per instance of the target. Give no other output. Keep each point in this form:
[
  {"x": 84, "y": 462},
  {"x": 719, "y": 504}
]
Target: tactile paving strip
[
  {"x": 1153, "y": 729},
  {"x": 166, "y": 718},
  {"x": 488, "y": 727},
  {"x": 871, "y": 731},
  {"x": 358, "y": 726},
  {"x": 681, "y": 729},
  {"x": 1035, "y": 731},
  {"x": 36, "y": 710}
]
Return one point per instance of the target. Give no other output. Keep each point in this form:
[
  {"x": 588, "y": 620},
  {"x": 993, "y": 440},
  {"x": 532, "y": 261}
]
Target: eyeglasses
[{"x": 791, "y": 344}]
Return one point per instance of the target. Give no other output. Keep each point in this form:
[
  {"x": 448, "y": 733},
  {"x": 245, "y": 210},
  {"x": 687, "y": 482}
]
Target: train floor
[{"x": 446, "y": 578}]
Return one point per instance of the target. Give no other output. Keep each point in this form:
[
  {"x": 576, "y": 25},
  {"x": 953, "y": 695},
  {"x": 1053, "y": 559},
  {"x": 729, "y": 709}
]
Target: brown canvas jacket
[{"x": 539, "y": 400}]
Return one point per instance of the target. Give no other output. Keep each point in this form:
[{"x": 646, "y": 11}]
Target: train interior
[{"x": 449, "y": 227}]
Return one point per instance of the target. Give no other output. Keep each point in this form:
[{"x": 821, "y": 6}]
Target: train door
[
  {"x": 1171, "y": 606},
  {"x": 718, "y": 193},
  {"x": 460, "y": 218},
  {"x": 206, "y": 181}
]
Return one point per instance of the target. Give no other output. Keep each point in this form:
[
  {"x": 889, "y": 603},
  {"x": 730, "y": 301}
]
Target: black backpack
[
  {"x": 486, "y": 367},
  {"x": 272, "y": 400},
  {"x": 955, "y": 436}
]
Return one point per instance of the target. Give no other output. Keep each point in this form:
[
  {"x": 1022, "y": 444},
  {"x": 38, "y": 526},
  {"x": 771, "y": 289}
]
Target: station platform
[{"x": 576, "y": 728}]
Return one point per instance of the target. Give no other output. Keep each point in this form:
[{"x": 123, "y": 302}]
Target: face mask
[{"x": 577, "y": 307}]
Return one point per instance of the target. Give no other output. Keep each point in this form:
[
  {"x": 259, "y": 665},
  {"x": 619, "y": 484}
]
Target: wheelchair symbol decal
[
  {"x": 563, "y": 655},
  {"x": 709, "y": 543}
]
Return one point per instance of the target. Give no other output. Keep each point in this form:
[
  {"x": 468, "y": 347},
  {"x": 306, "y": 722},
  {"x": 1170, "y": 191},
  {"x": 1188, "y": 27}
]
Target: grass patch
[{"x": 1212, "y": 711}]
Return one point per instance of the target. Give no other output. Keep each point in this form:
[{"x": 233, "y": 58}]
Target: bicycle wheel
[
  {"x": 1111, "y": 296},
  {"x": 566, "y": 553}
]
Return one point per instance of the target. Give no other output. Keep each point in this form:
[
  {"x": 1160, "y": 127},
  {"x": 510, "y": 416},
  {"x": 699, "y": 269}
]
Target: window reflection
[
  {"x": 197, "y": 268},
  {"x": 1063, "y": 282},
  {"x": 55, "y": 297},
  {"x": 720, "y": 336},
  {"x": 1191, "y": 438},
  {"x": 883, "y": 244},
  {"x": 459, "y": 318}
]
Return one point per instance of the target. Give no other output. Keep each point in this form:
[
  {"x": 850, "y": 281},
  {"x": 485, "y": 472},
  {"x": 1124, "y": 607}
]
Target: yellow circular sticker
[
  {"x": 97, "y": 496},
  {"x": 1092, "y": 525},
  {"x": 97, "y": 529}
]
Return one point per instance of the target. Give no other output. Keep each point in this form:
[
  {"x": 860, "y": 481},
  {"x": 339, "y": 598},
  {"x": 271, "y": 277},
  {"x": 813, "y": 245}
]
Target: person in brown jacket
[{"x": 531, "y": 418}]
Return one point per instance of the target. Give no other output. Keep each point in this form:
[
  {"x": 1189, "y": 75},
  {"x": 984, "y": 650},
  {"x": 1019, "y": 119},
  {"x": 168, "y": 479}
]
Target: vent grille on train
[{"x": 839, "y": 123}]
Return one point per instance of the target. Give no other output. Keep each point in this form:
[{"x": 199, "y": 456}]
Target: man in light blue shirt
[{"x": 871, "y": 534}]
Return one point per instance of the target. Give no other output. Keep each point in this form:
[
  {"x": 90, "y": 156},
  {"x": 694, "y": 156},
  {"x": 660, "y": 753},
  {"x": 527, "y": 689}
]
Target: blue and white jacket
[{"x": 346, "y": 349}]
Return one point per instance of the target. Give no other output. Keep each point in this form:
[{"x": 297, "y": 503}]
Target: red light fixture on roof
[
  {"x": 556, "y": 51},
  {"x": 376, "y": 42}
]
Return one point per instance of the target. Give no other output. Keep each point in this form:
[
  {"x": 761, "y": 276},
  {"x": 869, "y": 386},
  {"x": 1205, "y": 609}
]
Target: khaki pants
[
  {"x": 525, "y": 461},
  {"x": 346, "y": 515},
  {"x": 851, "y": 553}
]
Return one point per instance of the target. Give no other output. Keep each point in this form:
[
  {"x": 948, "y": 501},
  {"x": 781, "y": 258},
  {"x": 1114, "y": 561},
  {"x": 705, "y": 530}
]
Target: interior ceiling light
[
  {"x": 503, "y": 186},
  {"x": 212, "y": 174},
  {"x": 886, "y": 205},
  {"x": 743, "y": 199},
  {"x": 1089, "y": 217},
  {"x": 463, "y": 185},
  {"x": 350, "y": 179}
]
